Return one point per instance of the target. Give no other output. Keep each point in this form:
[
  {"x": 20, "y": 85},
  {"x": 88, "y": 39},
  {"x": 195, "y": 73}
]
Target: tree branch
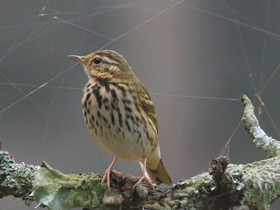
[
  {"x": 223, "y": 187},
  {"x": 16, "y": 179}
]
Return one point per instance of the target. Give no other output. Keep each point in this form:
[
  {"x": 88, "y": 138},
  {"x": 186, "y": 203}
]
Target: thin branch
[{"x": 270, "y": 146}]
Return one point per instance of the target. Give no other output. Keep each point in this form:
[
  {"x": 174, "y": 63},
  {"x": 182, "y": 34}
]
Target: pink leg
[
  {"x": 144, "y": 177},
  {"x": 108, "y": 172}
]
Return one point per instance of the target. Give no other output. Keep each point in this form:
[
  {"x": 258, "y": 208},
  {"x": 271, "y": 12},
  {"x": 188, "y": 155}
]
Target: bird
[{"x": 120, "y": 115}]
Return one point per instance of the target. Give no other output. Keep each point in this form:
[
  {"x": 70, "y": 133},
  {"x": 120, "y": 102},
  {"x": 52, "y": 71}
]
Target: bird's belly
[
  {"x": 117, "y": 129},
  {"x": 128, "y": 144},
  {"x": 123, "y": 146}
]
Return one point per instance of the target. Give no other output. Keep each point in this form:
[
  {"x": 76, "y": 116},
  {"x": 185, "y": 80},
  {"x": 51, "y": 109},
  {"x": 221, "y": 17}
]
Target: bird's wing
[{"x": 147, "y": 104}]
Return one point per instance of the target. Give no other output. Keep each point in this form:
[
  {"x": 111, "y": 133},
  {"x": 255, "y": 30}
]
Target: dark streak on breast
[
  {"x": 139, "y": 136},
  {"x": 128, "y": 109},
  {"x": 105, "y": 120},
  {"x": 128, "y": 126},
  {"x": 96, "y": 92},
  {"x": 119, "y": 116},
  {"x": 113, "y": 118},
  {"x": 106, "y": 85},
  {"x": 121, "y": 89}
]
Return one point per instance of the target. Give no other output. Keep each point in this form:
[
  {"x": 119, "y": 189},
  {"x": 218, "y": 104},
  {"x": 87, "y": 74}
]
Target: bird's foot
[
  {"x": 108, "y": 173},
  {"x": 144, "y": 178},
  {"x": 106, "y": 176}
]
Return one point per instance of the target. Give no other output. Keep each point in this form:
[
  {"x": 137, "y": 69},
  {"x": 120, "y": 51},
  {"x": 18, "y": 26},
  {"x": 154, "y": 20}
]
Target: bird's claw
[
  {"x": 106, "y": 176},
  {"x": 143, "y": 178}
]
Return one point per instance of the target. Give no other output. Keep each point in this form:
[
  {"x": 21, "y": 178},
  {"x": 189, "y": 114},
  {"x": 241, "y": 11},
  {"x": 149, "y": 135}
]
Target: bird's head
[{"x": 105, "y": 65}]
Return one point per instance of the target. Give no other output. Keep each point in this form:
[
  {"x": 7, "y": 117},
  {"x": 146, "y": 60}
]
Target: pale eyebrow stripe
[{"x": 110, "y": 61}]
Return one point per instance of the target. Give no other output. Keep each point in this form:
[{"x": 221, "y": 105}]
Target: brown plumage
[{"x": 120, "y": 114}]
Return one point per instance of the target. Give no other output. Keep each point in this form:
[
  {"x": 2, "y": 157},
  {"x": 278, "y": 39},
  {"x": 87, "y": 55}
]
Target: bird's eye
[{"x": 97, "y": 60}]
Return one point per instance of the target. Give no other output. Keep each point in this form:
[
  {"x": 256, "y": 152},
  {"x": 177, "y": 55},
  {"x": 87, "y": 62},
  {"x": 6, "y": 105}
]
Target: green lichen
[
  {"x": 262, "y": 182},
  {"x": 17, "y": 178},
  {"x": 62, "y": 192},
  {"x": 142, "y": 191},
  {"x": 195, "y": 189},
  {"x": 270, "y": 146},
  {"x": 258, "y": 181}
]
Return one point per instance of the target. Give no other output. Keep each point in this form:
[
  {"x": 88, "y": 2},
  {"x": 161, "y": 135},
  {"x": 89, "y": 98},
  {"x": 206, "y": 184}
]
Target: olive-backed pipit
[{"x": 120, "y": 114}]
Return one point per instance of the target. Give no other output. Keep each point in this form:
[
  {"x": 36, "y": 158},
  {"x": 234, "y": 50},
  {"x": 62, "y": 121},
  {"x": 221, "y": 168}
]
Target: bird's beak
[{"x": 81, "y": 59}]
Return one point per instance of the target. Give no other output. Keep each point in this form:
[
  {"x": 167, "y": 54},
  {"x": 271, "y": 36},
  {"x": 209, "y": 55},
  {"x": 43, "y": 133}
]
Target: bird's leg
[
  {"x": 144, "y": 175},
  {"x": 108, "y": 172}
]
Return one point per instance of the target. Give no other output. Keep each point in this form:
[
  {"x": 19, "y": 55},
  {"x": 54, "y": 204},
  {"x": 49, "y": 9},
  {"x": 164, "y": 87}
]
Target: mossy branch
[{"x": 223, "y": 187}]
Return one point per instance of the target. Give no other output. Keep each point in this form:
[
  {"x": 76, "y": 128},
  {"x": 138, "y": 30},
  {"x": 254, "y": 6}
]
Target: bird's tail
[{"x": 159, "y": 175}]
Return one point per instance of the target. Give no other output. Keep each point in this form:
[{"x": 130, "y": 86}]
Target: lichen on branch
[
  {"x": 226, "y": 185},
  {"x": 16, "y": 179},
  {"x": 270, "y": 146},
  {"x": 58, "y": 191}
]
